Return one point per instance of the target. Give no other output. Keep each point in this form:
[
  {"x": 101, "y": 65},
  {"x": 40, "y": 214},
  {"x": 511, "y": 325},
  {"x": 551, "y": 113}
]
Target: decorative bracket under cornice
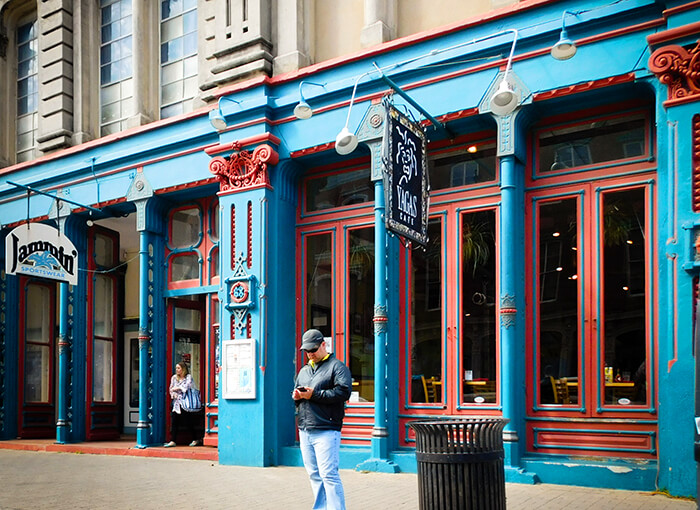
[
  {"x": 679, "y": 69},
  {"x": 242, "y": 169}
]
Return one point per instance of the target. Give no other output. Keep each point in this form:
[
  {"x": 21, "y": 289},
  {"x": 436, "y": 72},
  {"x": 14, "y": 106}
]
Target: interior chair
[{"x": 561, "y": 390}]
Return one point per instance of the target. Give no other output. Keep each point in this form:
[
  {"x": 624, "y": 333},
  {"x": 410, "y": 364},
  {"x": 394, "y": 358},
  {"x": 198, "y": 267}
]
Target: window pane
[
  {"x": 171, "y": 110},
  {"x": 624, "y": 296},
  {"x": 558, "y": 301},
  {"x": 187, "y": 318},
  {"x": 337, "y": 190},
  {"x": 38, "y": 319},
  {"x": 214, "y": 269},
  {"x": 478, "y": 252},
  {"x": 426, "y": 318},
  {"x": 111, "y": 112},
  {"x": 214, "y": 218},
  {"x": 360, "y": 309},
  {"x": 171, "y": 29},
  {"x": 172, "y": 92},
  {"x": 36, "y": 373},
  {"x": 189, "y": 44},
  {"x": 190, "y": 66},
  {"x": 102, "y": 371},
  {"x": 185, "y": 267},
  {"x": 171, "y": 72},
  {"x": 591, "y": 142},
  {"x": 186, "y": 228},
  {"x": 463, "y": 168},
  {"x": 104, "y": 251},
  {"x": 104, "y": 306},
  {"x": 27, "y": 86},
  {"x": 319, "y": 283}
]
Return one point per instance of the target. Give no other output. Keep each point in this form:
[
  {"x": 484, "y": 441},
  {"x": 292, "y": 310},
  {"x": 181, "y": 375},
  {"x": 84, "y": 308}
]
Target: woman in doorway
[{"x": 182, "y": 418}]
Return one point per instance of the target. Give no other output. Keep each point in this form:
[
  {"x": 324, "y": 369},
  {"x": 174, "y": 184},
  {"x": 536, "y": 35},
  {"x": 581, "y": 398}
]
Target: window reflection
[
  {"x": 426, "y": 318},
  {"x": 337, "y": 190},
  {"x": 478, "y": 255},
  {"x": 464, "y": 167},
  {"x": 595, "y": 141}
]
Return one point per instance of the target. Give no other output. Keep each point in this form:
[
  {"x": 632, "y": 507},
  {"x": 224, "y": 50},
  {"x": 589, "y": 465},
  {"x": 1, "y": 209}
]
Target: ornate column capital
[
  {"x": 679, "y": 69},
  {"x": 244, "y": 169}
]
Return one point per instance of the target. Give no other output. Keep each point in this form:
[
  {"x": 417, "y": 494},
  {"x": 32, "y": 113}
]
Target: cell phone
[{"x": 301, "y": 388}]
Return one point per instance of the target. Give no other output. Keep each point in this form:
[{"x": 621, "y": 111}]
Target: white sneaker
[{"x": 170, "y": 444}]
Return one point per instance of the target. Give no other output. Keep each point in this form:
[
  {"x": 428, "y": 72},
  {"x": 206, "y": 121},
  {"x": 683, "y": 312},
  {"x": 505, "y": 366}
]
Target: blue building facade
[{"x": 556, "y": 289}]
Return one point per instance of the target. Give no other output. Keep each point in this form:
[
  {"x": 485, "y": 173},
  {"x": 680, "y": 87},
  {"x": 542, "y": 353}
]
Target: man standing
[{"x": 320, "y": 390}]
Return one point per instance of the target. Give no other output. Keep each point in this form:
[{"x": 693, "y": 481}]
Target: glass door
[
  {"x": 339, "y": 297},
  {"x": 37, "y": 416},
  {"x": 592, "y": 339},
  {"x": 450, "y": 315},
  {"x": 103, "y": 284}
]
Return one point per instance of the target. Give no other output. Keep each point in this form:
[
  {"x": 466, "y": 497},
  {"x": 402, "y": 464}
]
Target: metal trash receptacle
[{"x": 460, "y": 464}]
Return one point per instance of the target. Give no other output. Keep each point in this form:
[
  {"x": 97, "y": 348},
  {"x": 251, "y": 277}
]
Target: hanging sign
[
  {"x": 405, "y": 177},
  {"x": 35, "y": 249}
]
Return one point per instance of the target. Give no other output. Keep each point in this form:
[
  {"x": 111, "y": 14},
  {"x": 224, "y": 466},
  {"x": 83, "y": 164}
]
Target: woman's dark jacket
[{"x": 331, "y": 382}]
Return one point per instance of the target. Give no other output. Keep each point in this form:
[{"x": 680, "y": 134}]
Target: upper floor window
[
  {"x": 116, "y": 65},
  {"x": 178, "y": 56},
  {"x": 27, "y": 91},
  {"x": 593, "y": 143}
]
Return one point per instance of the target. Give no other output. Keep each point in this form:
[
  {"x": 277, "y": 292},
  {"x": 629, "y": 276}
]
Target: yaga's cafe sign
[{"x": 40, "y": 250}]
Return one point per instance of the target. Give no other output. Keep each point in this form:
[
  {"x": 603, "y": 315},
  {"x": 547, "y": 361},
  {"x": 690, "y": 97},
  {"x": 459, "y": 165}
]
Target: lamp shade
[
  {"x": 217, "y": 120},
  {"x": 505, "y": 100},
  {"x": 565, "y": 48},
  {"x": 345, "y": 142},
  {"x": 303, "y": 110}
]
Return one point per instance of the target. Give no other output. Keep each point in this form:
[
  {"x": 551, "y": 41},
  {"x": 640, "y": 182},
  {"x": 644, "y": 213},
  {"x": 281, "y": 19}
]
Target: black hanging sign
[{"x": 405, "y": 177}]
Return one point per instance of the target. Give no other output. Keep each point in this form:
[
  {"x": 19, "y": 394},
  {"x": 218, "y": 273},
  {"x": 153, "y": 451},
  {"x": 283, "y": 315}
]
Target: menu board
[{"x": 238, "y": 368}]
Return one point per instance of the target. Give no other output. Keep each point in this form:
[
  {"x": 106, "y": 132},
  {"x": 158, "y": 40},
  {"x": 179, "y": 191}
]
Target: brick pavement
[{"x": 38, "y": 480}]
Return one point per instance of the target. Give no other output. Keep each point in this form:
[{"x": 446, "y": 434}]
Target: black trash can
[{"x": 460, "y": 464}]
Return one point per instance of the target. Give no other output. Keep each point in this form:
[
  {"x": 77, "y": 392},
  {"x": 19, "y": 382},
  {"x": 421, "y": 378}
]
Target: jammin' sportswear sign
[{"x": 35, "y": 249}]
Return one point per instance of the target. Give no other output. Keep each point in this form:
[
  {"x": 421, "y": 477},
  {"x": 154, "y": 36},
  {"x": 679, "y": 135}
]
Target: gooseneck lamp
[
  {"x": 505, "y": 100},
  {"x": 565, "y": 47}
]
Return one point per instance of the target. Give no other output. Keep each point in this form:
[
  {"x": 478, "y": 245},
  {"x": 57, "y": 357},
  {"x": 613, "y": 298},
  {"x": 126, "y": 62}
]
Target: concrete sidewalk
[{"x": 37, "y": 480}]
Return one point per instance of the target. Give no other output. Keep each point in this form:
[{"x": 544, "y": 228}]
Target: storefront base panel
[{"x": 639, "y": 475}]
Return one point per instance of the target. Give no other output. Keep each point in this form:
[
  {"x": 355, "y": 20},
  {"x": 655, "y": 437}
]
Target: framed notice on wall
[{"x": 238, "y": 369}]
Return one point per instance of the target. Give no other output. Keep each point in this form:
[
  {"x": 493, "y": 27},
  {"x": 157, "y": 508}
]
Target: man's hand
[{"x": 302, "y": 392}]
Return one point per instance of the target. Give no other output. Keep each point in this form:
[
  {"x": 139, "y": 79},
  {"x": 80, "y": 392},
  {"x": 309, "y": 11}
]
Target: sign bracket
[{"x": 55, "y": 197}]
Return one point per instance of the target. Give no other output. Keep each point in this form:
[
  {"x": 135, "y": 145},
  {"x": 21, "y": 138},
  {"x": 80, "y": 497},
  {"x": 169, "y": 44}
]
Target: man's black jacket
[{"x": 331, "y": 382}]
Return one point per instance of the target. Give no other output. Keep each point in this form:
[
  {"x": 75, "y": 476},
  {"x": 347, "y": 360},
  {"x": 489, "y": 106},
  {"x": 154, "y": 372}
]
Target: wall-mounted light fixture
[
  {"x": 565, "y": 48},
  {"x": 346, "y": 142},
  {"x": 216, "y": 117},
  {"x": 302, "y": 110},
  {"x": 505, "y": 100}
]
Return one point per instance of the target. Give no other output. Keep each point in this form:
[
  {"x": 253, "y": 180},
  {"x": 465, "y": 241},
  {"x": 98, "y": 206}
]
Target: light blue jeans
[{"x": 320, "y": 450}]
